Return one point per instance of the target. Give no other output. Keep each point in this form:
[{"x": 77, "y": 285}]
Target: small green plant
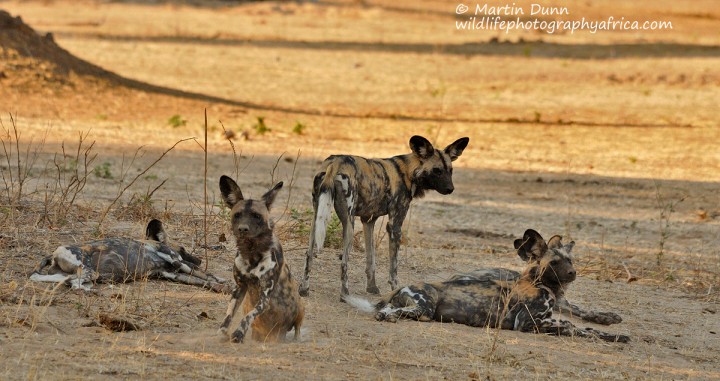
[
  {"x": 150, "y": 177},
  {"x": 438, "y": 92},
  {"x": 667, "y": 208},
  {"x": 260, "y": 127},
  {"x": 176, "y": 121},
  {"x": 103, "y": 171},
  {"x": 224, "y": 210},
  {"x": 538, "y": 116},
  {"x": 298, "y": 129}
]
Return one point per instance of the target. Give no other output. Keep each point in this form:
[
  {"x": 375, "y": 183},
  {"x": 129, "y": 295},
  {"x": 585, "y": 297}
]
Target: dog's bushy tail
[
  {"x": 363, "y": 305},
  {"x": 325, "y": 191}
]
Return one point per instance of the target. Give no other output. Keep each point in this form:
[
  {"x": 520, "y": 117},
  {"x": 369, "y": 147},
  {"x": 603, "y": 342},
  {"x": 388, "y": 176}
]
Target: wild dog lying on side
[
  {"x": 371, "y": 188},
  {"x": 125, "y": 260},
  {"x": 496, "y": 297},
  {"x": 268, "y": 293}
]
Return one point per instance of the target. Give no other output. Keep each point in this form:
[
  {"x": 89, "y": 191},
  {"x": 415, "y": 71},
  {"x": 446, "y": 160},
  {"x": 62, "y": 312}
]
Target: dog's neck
[
  {"x": 534, "y": 274},
  {"x": 412, "y": 163}
]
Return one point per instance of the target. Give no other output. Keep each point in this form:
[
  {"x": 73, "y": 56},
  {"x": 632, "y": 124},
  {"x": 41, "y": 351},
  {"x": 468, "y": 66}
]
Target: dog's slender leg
[
  {"x": 237, "y": 296},
  {"x": 46, "y": 261},
  {"x": 344, "y": 195},
  {"x": 193, "y": 280},
  {"x": 368, "y": 229},
  {"x": 604, "y": 318},
  {"x": 566, "y": 328},
  {"x": 310, "y": 254},
  {"x": 267, "y": 285},
  {"x": 394, "y": 229}
]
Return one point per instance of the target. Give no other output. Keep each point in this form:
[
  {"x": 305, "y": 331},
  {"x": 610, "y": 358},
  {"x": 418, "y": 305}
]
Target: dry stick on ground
[
  {"x": 107, "y": 209},
  {"x": 292, "y": 182},
  {"x": 205, "y": 196},
  {"x": 274, "y": 168},
  {"x": 70, "y": 189},
  {"x": 631, "y": 277},
  {"x": 21, "y": 174},
  {"x": 236, "y": 157}
]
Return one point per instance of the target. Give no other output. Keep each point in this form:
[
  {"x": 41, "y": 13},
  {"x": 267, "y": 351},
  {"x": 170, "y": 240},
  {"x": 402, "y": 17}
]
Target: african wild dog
[
  {"x": 124, "y": 260},
  {"x": 497, "y": 298},
  {"x": 371, "y": 188},
  {"x": 265, "y": 287}
]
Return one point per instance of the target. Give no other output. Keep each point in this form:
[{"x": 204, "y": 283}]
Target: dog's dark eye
[
  {"x": 256, "y": 216},
  {"x": 553, "y": 262},
  {"x": 436, "y": 171},
  {"x": 236, "y": 215}
]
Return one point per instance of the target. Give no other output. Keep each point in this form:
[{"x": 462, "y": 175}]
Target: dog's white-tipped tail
[
  {"x": 361, "y": 304},
  {"x": 325, "y": 204}
]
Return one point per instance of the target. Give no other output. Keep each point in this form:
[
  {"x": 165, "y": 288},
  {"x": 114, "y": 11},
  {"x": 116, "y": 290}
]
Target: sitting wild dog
[
  {"x": 496, "y": 298},
  {"x": 123, "y": 260},
  {"x": 268, "y": 293},
  {"x": 371, "y": 188}
]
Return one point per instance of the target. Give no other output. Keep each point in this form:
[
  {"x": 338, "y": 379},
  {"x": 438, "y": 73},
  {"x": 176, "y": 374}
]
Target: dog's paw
[
  {"x": 238, "y": 336},
  {"x": 604, "y": 318},
  {"x": 373, "y": 290},
  {"x": 304, "y": 291}
]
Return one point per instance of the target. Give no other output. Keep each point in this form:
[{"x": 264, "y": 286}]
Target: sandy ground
[{"x": 607, "y": 139}]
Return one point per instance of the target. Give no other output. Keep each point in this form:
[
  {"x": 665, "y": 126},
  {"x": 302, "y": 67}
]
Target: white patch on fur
[
  {"x": 361, "y": 304},
  {"x": 349, "y": 200},
  {"x": 165, "y": 257},
  {"x": 390, "y": 310},
  {"x": 464, "y": 278},
  {"x": 266, "y": 264},
  {"x": 325, "y": 204},
  {"x": 77, "y": 283},
  {"x": 49, "y": 278},
  {"x": 408, "y": 292},
  {"x": 169, "y": 275},
  {"x": 62, "y": 253},
  {"x": 242, "y": 265}
]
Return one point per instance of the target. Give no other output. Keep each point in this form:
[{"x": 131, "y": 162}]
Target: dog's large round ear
[
  {"x": 522, "y": 253},
  {"x": 569, "y": 246},
  {"x": 230, "y": 191},
  {"x": 531, "y": 246},
  {"x": 456, "y": 149},
  {"x": 555, "y": 242},
  {"x": 155, "y": 231},
  {"x": 421, "y": 147},
  {"x": 269, "y": 196}
]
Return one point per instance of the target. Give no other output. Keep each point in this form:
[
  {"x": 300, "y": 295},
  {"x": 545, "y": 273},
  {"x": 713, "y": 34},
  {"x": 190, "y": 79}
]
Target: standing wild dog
[
  {"x": 371, "y": 188},
  {"x": 124, "y": 260},
  {"x": 268, "y": 293},
  {"x": 497, "y": 298}
]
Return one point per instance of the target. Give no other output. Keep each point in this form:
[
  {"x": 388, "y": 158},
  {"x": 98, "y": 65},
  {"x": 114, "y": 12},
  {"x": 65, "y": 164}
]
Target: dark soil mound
[{"x": 29, "y": 57}]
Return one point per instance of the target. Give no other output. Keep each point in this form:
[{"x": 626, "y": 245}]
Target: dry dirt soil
[{"x": 609, "y": 139}]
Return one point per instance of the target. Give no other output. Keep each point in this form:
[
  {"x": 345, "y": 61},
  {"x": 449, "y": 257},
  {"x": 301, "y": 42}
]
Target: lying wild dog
[
  {"x": 371, "y": 188},
  {"x": 268, "y": 293},
  {"x": 125, "y": 260},
  {"x": 496, "y": 298}
]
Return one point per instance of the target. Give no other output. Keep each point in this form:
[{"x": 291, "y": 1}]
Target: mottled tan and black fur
[
  {"x": 269, "y": 295},
  {"x": 124, "y": 260},
  {"x": 497, "y": 298},
  {"x": 371, "y": 188}
]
